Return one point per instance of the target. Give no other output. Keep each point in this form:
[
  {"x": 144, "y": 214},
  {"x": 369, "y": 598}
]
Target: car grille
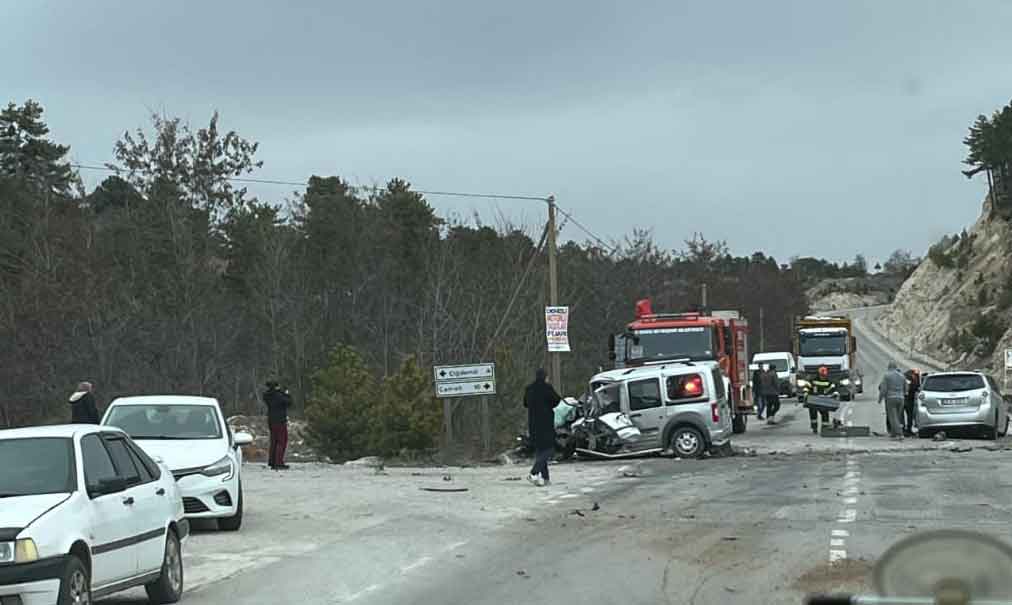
[
  {"x": 223, "y": 499},
  {"x": 192, "y": 506}
]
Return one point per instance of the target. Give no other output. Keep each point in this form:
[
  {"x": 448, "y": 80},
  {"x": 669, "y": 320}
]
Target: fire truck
[{"x": 718, "y": 336}]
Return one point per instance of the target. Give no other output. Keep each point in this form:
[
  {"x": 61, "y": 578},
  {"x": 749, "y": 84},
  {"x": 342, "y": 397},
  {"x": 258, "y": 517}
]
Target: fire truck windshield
[{"x": 691, "y": 342}]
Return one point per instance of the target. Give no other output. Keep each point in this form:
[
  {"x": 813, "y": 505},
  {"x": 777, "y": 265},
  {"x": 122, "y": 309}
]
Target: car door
[
  {"x": 111, "y": 520},
  {"x": 646, "y": 407},
  {"x": 148, "y": 503}
]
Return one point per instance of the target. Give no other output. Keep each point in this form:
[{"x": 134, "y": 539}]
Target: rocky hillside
[
  {"x": 956, "y": 307},
  {"x": 852, "y": 292}
]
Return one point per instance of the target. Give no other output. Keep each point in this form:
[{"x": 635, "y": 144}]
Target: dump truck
[{"x": 826, "y": 349}]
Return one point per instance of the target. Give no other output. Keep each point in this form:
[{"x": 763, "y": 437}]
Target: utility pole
[
  {"x": 762, "y": 330},
  {"x": 553, "y": 285},
  {"x": 704, "y": 299}
]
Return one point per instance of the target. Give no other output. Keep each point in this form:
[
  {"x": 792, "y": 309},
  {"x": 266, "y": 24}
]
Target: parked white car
[
  {"x": 85, "y": 513},
  {"x": 190, "y": 435}
]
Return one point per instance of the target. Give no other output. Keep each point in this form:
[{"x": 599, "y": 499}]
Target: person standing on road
[
  {"x": 540, "y": 400},
  {"x": 913, "y": 377},
  {"x": 83, "y": 409},
  {"x": 277, "y": 401},
  {"x": 771, "y": 392},
  {"x": 892, "y": 390},
  {"x": 757, "y": 391}
]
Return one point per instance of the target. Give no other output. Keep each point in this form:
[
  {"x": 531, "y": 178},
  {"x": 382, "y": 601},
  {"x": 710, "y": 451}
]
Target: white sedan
[
  {"x": 190, "y": 435},
  {"x": 85, "y": 513}
]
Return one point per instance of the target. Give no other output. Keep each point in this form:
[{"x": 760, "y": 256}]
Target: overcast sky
[{"x": 798, "y": 128}]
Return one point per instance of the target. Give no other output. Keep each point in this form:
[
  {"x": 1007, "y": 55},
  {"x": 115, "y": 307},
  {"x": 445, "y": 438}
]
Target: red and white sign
[{"x": 557, "y": 329}]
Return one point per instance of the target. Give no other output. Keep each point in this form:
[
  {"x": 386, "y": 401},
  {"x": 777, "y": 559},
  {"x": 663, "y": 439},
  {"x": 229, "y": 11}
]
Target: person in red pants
[{"x": 277, "y": 401}]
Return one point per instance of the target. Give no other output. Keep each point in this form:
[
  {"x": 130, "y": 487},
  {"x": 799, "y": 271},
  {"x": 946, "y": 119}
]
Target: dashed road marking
[
  {"x": 836, "y": 555},
  {"x": 837, "y": 542},
  {"x": 848, "y": 516},
  {"x": 851, "y": 482},
  {"x": 841, "y": 533},
  {"x": 587, "y": 490},
  {"x": 850, "y": 500},
  {"x": 568, "y": 496}
]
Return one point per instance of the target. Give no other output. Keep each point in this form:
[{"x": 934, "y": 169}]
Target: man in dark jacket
[
  {"x": 278, "y": 401},
  {"x": 771, "y": 392},
  {"x": 757, "y": 391},
  {"x": 540, "y": 400},
  {"x": 83, "y": 409},
  {"x": 909, "y": 404}
]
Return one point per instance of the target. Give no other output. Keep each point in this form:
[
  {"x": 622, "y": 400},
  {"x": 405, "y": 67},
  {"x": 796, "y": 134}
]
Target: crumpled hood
[
  {"x": 20, "y": 511},
  {"x": 185, "y": 454}
]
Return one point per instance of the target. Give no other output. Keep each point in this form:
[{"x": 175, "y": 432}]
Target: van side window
[
  {"x": 644, "y": 394},
  {"x": 718, "y": 383}
]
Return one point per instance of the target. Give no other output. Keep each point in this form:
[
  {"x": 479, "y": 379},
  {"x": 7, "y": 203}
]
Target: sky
[{"x": 809, "y": 128}]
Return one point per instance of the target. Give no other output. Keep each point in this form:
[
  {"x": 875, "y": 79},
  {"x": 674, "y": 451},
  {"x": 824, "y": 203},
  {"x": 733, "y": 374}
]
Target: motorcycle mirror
[{"x": 953, "y": 566}]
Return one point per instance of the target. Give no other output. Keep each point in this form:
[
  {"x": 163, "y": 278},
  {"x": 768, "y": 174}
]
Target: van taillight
[{"x": 715, "y": 411}]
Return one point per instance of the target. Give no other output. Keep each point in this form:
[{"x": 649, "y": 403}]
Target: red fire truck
[{"x": 719, "y": 336}]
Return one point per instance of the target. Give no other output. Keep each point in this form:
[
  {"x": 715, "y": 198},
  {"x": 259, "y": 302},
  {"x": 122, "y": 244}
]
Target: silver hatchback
[{"x": 961, "y": 399}]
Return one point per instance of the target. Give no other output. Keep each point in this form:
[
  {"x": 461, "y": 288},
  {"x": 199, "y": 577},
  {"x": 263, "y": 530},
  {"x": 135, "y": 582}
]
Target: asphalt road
[{"x": 803, "y": 514}]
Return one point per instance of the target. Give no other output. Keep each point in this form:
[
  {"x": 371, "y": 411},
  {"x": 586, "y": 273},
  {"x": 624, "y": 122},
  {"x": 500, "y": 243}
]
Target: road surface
[{"x": 797, "y": 513}]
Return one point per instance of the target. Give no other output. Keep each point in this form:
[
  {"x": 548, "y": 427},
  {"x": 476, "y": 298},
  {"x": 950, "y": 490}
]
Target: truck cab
[{"x": 826, "y": 348}]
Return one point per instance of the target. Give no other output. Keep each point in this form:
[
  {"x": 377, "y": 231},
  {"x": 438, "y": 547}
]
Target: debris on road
[
  {"x": 939, "y": 436},
  {"x": 367, "y": 461},
  {"x": 631, "y": 470},
  {"x": 596, "y": 507},
  {"x": 443, "y": 489},
  {"x": 576, "y": 512},
  {"x": 961, "y": 449}
]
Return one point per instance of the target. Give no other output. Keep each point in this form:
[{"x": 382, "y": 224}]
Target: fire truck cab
[{"x": 720, "y": 336}]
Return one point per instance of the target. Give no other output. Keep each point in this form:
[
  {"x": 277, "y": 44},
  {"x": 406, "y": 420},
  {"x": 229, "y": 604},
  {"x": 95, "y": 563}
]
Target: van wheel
[
  {"x": 75, "y": 585},
  {"x": 687, "y": 442},
  {"x": 168, "y": 588},
  {"x": 739, "y": 423}
]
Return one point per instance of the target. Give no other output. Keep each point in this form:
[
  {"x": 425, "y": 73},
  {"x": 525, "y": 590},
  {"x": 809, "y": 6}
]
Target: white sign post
[{"x": 557, "y": 329}]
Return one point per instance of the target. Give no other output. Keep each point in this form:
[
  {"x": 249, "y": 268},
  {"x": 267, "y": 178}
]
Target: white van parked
[{"x": 786, "y": 367}]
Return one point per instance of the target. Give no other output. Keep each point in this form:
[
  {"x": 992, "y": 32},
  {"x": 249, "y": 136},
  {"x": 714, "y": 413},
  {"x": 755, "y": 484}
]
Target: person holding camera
[{"x": 277, "y": 401}]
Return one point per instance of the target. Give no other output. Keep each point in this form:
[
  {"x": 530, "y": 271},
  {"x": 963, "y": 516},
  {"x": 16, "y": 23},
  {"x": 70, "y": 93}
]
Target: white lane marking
[
  {"x": 416, "y": 564},
  {"x": 837, "y": 542},
  {"x": 586, "y": 490},
  {"x": 840, "y": 533},
  {"x": 836, "y": 555},
  {"x": 568, "y": 496},
  {"x": 852, "y": 475},
  {"x": 850, "y": 500},
  {"x": 599, "y": 483},
  {"x": 362, "y": 593},
  {"x": 848, "y": 516},
  {"x": 553, "y": 501}
]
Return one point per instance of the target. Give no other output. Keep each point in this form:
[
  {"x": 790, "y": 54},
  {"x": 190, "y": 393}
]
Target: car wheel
[
  {"x": 234, "y": 522},
  {"x": 687, "y": 442},
  {"x": 168, "y": 588},
  {"x": 991, "y": 432},
  {"x": 75, "y": 585},
  {"x": 1004, "y": 430},
  {"x": 739, "y": 423}
]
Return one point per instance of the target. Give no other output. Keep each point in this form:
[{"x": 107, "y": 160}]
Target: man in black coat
[
  {"x": 83, "y": 409},
  {"x": 277, "y": 401},
  {"x": 540, "y": 400}
]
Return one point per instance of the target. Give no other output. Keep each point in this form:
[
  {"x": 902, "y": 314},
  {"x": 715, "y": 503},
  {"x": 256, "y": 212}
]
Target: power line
[
  {"x": 238, "y": 179},
  {"x": 492, "y": 196}
]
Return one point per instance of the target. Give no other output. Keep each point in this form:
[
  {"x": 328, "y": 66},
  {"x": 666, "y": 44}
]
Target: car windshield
[
  {"x": 823, "y": 345},
  {"x": 948, "y": 383},
  {"x": 693, "y": 342},
  {"x": 780, "y": 364},
  {"x": 34, "y": 466},
  {"x": 166, "y": 421}
]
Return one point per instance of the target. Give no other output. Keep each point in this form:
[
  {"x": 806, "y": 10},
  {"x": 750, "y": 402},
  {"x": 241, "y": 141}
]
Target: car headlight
[
  {"x": 20, "y": 551},
  {"x": 845, "y": 381},
  {"x": 802, "y": 382},
  {"x": 221, "y": 467}
]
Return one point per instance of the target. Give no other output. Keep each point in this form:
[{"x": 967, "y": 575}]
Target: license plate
[{"x": 957, "y": 401}]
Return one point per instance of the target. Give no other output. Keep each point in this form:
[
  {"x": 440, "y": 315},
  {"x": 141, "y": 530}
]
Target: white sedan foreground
[
  {"x": 190, "y": 435},
  {"x": 84, "y": 513}
]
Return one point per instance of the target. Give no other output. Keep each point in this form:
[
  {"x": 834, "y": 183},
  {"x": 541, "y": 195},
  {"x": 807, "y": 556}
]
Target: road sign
[
  {"x": 471, "y": 388},
  {"x": 474, "y": 371},
  {"x": 466, "y": 380}
]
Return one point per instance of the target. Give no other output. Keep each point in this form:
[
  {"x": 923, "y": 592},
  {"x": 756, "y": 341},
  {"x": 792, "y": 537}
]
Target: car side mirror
[
  {"x": 243, "y": 439},
  {"x": 113, "y": 485}
]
